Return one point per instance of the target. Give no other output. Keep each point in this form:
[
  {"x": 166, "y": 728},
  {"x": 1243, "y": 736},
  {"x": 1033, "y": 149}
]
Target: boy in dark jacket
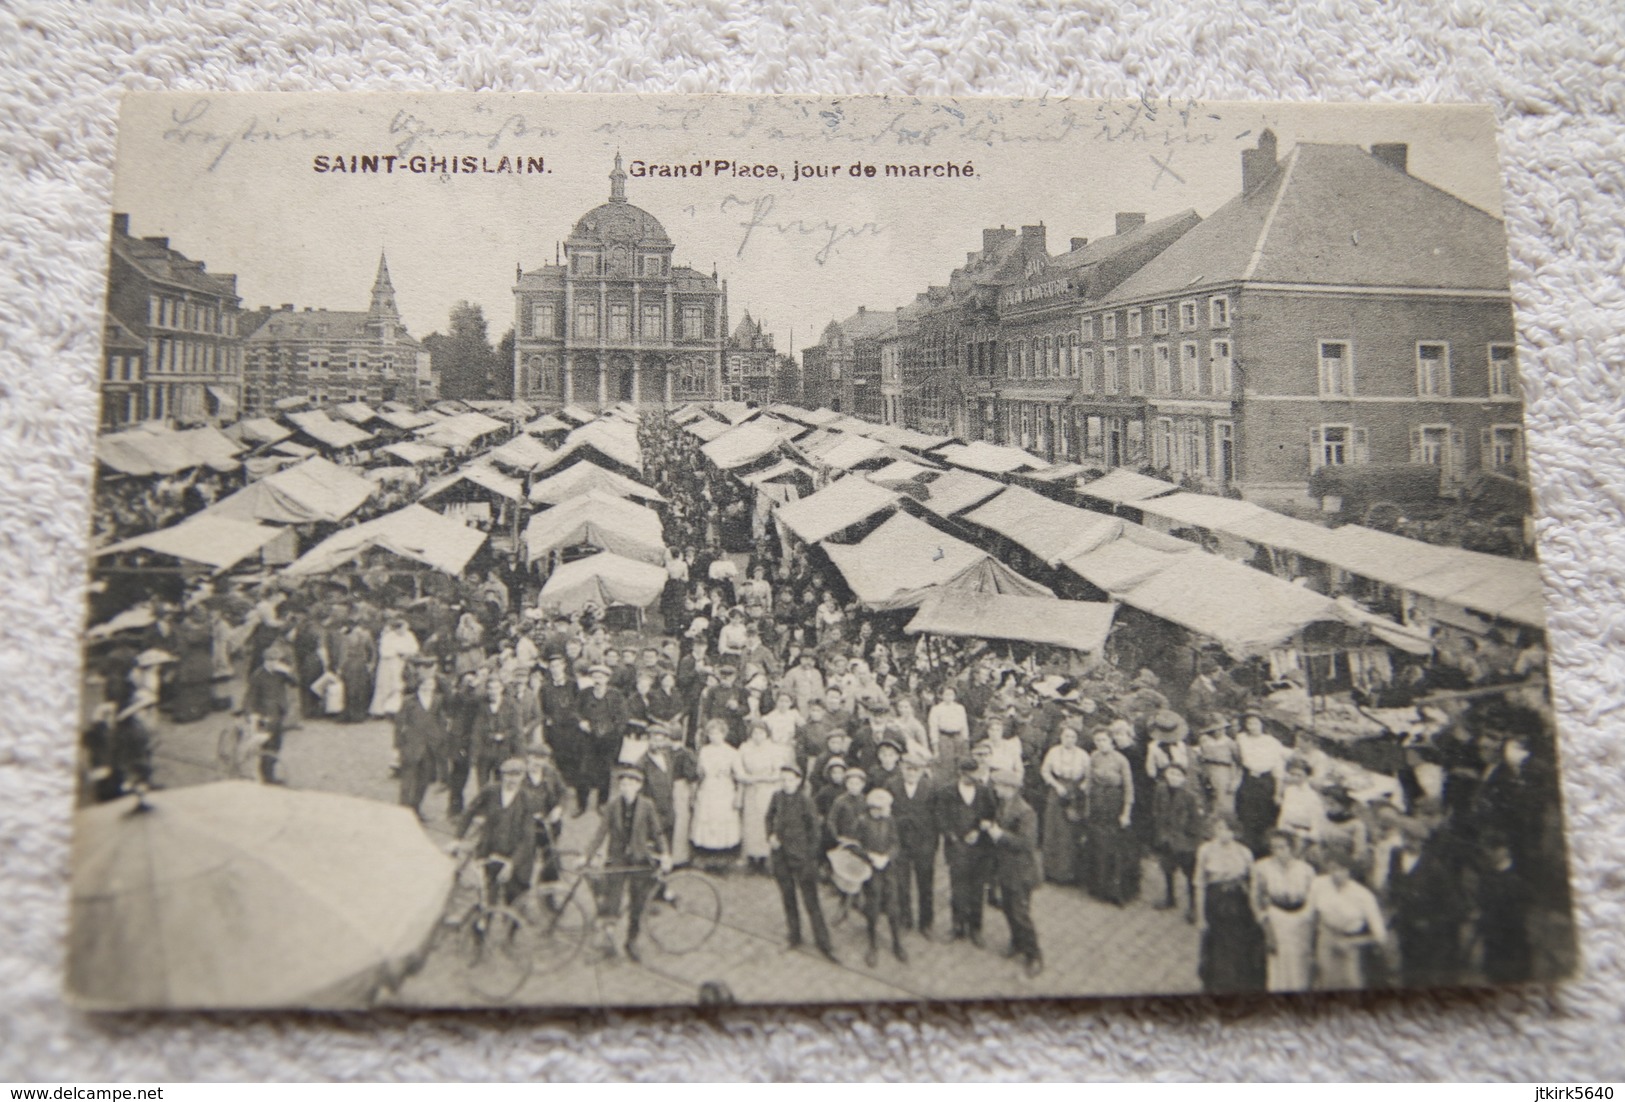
[{"x": 1176, "y": 831}]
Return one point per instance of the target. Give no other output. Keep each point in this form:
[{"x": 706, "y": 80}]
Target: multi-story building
[
  {"x": 1337, "y": 311},
  {"x": 171, "y": 349},
  {"x": 1044, "y": 357},
  {"x": 842, "y": 371},
  {"x": 894, "y": 347},
  {"x": 752, "y": 363},
  {"x": 950, "y": 366},
  {"x": 334, "y": 355},
  {"x": 617, "y": 320}
]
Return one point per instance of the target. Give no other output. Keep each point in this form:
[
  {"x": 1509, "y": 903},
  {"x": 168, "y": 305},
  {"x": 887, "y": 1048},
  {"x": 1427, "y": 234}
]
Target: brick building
[
  {"x": 617, "y": 319},
  {"x": 1337, "y": 311},
  {"x": 171, "y": 349},
  {"x": 334, "y": 355},
  {"x": 752, "y": 364}
]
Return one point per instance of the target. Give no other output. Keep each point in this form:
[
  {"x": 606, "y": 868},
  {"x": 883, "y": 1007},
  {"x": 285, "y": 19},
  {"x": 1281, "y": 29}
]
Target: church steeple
[
  {"x": 617, "y": 182},
  {"x": 383, "y": 318}
]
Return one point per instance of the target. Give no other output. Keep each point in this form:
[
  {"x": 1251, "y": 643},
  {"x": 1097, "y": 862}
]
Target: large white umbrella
[{"x": 243, "y": 895}]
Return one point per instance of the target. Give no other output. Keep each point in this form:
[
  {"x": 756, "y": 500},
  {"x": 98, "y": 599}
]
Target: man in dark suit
[
  {"x": 795, "y": 833},
  {"x": 603, "y": 717},
  {"x": 961, "y": 809},
  {"x": 1014, "y": 832},
  {"x": 914, "y": 809},
  {"x": 631, "y": 827},
  {"x": 266, "y": 696},
  {"x": 496, "y": 730},
  {"x": 420, "y": 731},
  {"x": 506, "y": 843}
]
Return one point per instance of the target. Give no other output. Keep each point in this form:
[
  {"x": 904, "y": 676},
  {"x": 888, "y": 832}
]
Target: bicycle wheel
[
  {"x": 683, "y": 912},
  {"x": 496, "y": 952},
  {"x": 557, "y": 926}
]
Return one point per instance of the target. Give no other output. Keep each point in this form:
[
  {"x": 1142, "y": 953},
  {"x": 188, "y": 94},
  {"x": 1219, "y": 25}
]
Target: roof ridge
[{"x": 1269, "y": 219}]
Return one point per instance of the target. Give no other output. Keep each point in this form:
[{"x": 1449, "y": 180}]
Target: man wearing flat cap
[
  {"x": 914, "y": 810},
  {"x": 636, "y": 847},
  {"x": 875, "y": 836},
  {"x": 506, "y": 842},
  {"x": 961, "y": 808},
  {"x": 795, "y": 835},
  {"x": 603, "y": 717},
  {"x": 1014, "y": 833}
]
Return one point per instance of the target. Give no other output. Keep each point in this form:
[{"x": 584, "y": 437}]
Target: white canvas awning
[
  {"x": 585, "y": 477},
  {"x": 219, "y": 543},
  {"x": 326, "y": 431},
  {"x": 990, "y": 458},
  {"x": 603, "y": 580},
  {"x": 415, "y": 533},
  {"x": 837, "y": 506},
  {"x": 905, "y": 559},
  {"x": 414, "y": 452},
  {"x": 1048, "y": 529},
  {"x": 597, "y": 519},
  {"x": 317, "y": 490},
  {"x": 461, "y": 430},
  {"x": 742, "y": 446},
  {"x": 522, "y": 453},
  {"x": 954, "y": 491},
  {"x": 479, "y": 475},
  {"x": 1123, "y": 487},
  {"x": 1076, "y": 625}
]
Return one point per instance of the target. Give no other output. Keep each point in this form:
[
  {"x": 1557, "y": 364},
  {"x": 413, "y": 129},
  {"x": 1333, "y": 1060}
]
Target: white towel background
[{"x": 1556, "y": 76}]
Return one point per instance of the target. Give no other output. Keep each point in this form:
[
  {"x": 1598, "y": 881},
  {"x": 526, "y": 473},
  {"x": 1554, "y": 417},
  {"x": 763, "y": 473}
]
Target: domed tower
[{"x": 615, "y": 319}]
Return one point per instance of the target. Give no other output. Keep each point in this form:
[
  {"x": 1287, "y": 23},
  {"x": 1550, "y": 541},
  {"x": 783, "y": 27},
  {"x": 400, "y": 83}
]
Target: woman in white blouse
[
  {"x": 1347, "y": 921},
  {"x": 1281, "y": 883}
]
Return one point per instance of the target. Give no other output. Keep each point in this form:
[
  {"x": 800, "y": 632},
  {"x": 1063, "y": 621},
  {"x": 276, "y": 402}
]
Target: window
[
  {"x": 1136, "y": 370},
  {"x": 1164, "y": 368},
  {"x": 1108, "y": 327},
  {"x": 1337, "y": 445},
  {"x": 1072, "y": 356},
  {"x": 1086, "y": 367},
  {"x": 1010, "y": 364},
  {"x": 1108, "y": 359},
  {"x": 1162, "y": 438},
  {"x": 1438, "y": 446},
  {"x": 1221, "y": 374},
  {"x": 1336, "y": 369},
  {"x": 1134, "y": 322},
  {"x": 1433, "y": 368},
  {"x": 1159, "y": 319},
  {"x": 1187, "y": 314},
  {"x": 542, "y": 323},
  {"x": 1503, "y": 447},
  {"x": 1087, "y": 328},
  {"x": 620, "y": 321},
  {"x": 1052, "y": 358},
  {"x": 587, "y": 320},
  {"x": 653, "y": 326},
  {"x": 1503, "y": 371},
  {"x": 1190, "y": 369},
  {"x": 653, "y": 265},
  {"x": 1218, "y": 311},
  {"x": 693, "y": 320}
]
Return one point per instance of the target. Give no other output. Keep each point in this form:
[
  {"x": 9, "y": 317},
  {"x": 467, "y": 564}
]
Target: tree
[
  {"x": 502, "y": 367},
  {"x": 462, "y": 360}
]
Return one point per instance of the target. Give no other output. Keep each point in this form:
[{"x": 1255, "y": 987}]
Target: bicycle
[
  {"x": 494, "y": 941},
  {"x": 682, "y": 911}
]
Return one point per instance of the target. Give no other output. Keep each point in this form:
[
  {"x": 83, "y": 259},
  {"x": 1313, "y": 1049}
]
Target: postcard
[{"x": 609, "y": 551}]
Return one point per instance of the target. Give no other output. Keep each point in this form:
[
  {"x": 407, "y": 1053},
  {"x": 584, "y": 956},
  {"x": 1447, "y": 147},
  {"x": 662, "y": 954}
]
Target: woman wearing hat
[
  {"x": 1064, "y": 769},
  {"x": 1219, "y": 763}
]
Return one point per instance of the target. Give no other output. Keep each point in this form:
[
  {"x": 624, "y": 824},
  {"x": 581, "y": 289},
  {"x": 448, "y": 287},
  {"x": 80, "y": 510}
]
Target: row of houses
[
  {"x": 178, "y": 346},
  {"x": 1338, "y": 310}
]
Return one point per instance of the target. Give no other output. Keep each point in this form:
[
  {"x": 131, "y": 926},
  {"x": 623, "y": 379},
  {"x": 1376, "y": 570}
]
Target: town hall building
[{"x": 617, "y": 319}]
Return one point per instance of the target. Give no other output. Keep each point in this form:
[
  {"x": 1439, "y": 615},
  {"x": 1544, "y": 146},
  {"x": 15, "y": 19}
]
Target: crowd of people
[{"x": 762, "y": 722}]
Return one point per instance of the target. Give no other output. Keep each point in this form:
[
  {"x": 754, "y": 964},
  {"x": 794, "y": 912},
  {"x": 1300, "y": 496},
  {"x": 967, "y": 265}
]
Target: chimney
[
  {"x": 160, "y": 242},
  {"x": 1258, "y": 164},
  {"x": 861, "y": 311},
  {"x": 1128, "y": 221},
  {"x": 1032, "y": 240},
  {"x": 307, "y": 309},
  {"x": 1393, "y": 154},
  {"x": 287, "y": 307},
  {"x": 1079, "y": 242},
  {"x": 121, "y": 224},
  {"x": 991, "y": 239}
]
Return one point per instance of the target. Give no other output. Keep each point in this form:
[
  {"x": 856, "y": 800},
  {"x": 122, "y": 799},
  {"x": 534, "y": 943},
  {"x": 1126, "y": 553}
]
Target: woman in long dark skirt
[
  {"x": 1232, "y": 951},
  {"x": 1109, "y": 799},
  {"x": 1263, "y": 766}
]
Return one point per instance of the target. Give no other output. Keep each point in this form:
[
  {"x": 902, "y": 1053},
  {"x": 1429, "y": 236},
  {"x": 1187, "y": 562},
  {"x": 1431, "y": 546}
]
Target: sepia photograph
[{"x": 610, "y": 551}]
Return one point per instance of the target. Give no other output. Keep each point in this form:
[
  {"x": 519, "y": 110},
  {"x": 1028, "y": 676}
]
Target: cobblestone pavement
[{"x": 1090, "y": 948}]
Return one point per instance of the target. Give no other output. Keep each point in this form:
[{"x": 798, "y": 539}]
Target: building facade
[
  {"x": 616, "y": 319},
  {"x": 1337, "y": 311},
  {"x": 171, "y": 349},
  {"x": 334, "y": 355},
  {"x": 752, "y": 365},
  {"x": 1045, "y": 359}
]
